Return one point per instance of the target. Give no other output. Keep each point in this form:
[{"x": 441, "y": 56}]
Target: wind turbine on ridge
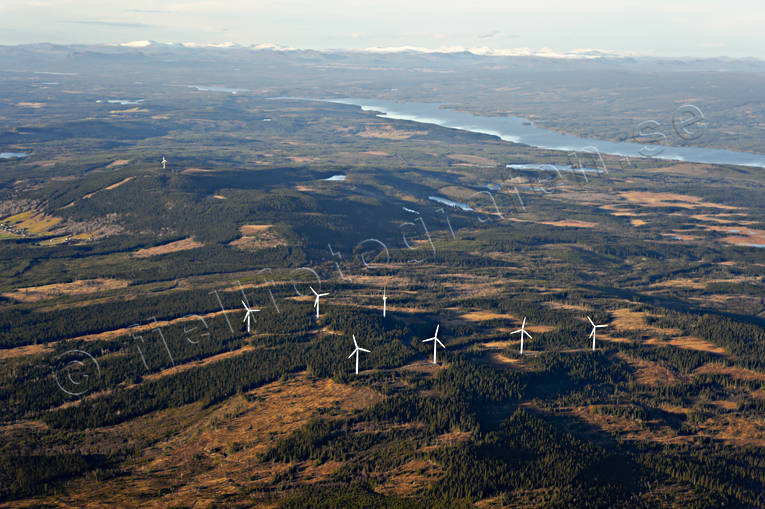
[
  {"x": 594, "y": 328},
  {"x": 385, "y": 301},
  {"x": 248, "y": 316},
  {"x": 436, "y": 342},
  {"x": 523, "y": 332},
  {"x": 316, "y": 302},
  {"x": 164, "y": 162},
  {"x": 356, "y": 353}
]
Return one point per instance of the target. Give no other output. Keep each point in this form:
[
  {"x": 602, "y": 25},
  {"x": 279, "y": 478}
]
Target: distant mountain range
[{"x": 402, "y": 55}]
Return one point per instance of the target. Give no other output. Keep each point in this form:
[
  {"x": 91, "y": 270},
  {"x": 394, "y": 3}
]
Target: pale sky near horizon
[{"x": 701, "y": 28}]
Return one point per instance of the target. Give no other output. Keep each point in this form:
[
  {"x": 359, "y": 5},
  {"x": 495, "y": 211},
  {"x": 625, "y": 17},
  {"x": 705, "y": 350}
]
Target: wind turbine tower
[
  {"x": 249, "y": 315},
  {"x": 356, "y": 352},
  {"x": 316, "y": 302},
  {"x": 594, "y": 328},
  {"x": 522, "y": 332},
  {"x": 436, "y": 342}
]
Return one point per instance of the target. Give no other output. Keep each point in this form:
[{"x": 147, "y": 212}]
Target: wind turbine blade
[
  {"x": 436, "y": 334},
  {"x": 245, "y": 305},
  {"x": 245, "y": 317},
  {"x": 527, "y": 334},
  {"x": 316, "y": 302},
  {"x": 517, "y": 331},
  {"x": 591, "y": 322},
  {"x": 323, "y": 294},
  {"x": 314, "y": 291},
  {"x": 601, "y": 326},
  {"x": 363, "y": 350},
  {"x": 524, "y": 323},
  {"x": 426, "y": 340},
  {"x": 352, "y": 354},
  {"x": 354, "y": 341},
  {"x": 439, "y": 342}
]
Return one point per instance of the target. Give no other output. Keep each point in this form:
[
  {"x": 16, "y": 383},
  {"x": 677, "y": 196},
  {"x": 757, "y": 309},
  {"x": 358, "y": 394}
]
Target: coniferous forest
[{"x": 128, "y": 376}]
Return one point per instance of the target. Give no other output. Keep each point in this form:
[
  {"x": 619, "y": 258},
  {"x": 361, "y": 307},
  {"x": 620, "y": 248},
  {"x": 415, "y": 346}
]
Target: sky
[{"x": 674, "y": 28}]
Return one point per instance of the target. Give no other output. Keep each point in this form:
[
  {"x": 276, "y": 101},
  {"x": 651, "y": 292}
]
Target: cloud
[
  {"x": 113, "y": 24},
  {"x": 490, "y": 35},
  {"x": 148, "y": 11},
  {"x": 649, "y": 26}
]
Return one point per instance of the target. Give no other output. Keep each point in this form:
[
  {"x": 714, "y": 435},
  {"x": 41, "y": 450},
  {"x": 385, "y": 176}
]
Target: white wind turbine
[
  {"x": 316, "y": 302},
  {"x": 436, "y": 342},
  {"x": 356, "y": 353},
  {"x": 164, "y": 162},
  {"x": 385, "y": 301},
  {"x": 594, "y": 328},
  {"x": 248, "y": 316},
  {"x": 523, "y": 332}
]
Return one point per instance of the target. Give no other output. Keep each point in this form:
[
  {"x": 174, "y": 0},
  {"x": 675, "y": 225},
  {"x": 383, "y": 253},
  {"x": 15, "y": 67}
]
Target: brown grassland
[
  {"x": 170, "y": 247},
  {"x": 82, "y": 286},
  {"x": 387, "y": 132},
  {"x": 258, "y": 236},
  {"x": 203, "y": 457},
  {"x": 650, "y": 199}
]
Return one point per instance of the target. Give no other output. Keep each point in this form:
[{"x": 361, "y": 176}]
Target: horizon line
[{"x": 479, "y": 51}]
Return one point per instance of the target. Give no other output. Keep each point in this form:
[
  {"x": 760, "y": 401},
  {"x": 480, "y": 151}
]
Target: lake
[
  {"x": 124, "y": 102},
  {"x": 520, "y": 130},
  {"x": 205, "y": 88},
  {"x": 552, "y": 167},
  {"x": 451, "y": 203}
]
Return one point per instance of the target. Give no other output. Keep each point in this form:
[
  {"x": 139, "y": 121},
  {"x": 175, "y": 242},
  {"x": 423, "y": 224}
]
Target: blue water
[
  {"x": 124, "y": 102},
  {"x": 447, "y": 201},
  {"x": 520, "y": 130},
  {"x": 12, "y": 155},
  {"x": 552, "y": 167},
  {"x": 204, "y": 88}
]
